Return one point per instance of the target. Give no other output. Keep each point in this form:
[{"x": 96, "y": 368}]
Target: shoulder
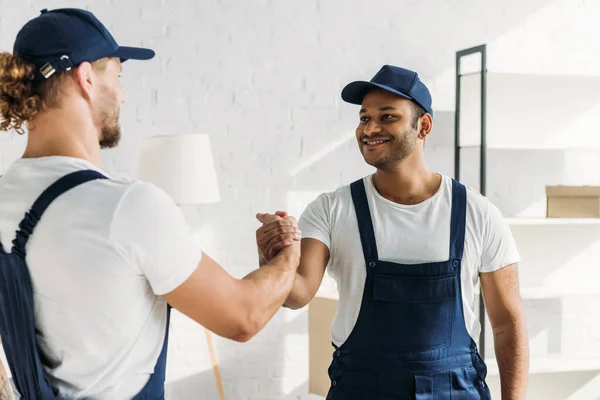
[
  {"x": 142, "y": 200},
  {"x": 320, "y": 218},
  {"x": 476, "y": 202},
  {"x": 110, "y": 194},
  {"x": 481, "y": 212},
  {"x": 332, "y": 200},
  {"x": 146, "y": 217},
  {"x": 142, "y": 193}
]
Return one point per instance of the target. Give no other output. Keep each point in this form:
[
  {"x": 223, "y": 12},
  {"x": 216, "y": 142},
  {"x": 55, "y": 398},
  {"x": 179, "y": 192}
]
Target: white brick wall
[{"x": 263, "y": 78}]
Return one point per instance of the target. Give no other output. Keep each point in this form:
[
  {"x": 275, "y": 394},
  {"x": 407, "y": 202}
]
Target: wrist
[{"x": 289, "y": 256}]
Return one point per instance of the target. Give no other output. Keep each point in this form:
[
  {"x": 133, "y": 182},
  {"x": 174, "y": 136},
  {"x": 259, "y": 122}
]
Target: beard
[
  {"x": 110, "y": 135},
  {"x": 398, "y": 148},
  {"x": 107, "y": 117}
]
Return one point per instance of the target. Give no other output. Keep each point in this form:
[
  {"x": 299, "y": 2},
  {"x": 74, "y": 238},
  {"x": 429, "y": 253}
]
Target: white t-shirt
[
  {"x": 406, "y": 234},
  {"x": 100, "y": 258}
]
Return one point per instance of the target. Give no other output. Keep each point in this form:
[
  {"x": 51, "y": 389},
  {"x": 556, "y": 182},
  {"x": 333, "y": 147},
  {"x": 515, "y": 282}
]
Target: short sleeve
[
  {"x": 499, "y": 247},
  {"x": 150, "y": 231},
  {"x": 314, "y": 221}
]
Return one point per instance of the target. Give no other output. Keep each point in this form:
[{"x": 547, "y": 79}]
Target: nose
[{"x": 371, "y": 128}]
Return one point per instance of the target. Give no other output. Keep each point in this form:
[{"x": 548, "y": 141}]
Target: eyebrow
[{"x": 386, "y": 108}]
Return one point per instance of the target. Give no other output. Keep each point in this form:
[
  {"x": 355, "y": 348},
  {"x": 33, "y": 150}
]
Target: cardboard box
[
  {"x": 573, "y": 201},
  {"x": 321, "y": 311}
]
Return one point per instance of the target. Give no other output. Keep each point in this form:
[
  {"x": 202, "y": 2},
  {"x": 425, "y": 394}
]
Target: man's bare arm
[
  {"x": 279, "y": 233},
  {"x": 309, "y": 275},
  {"x": 503, "y": 304},
  {"x": 236, "y": 309},
  {"x": 6, "y": 392}
]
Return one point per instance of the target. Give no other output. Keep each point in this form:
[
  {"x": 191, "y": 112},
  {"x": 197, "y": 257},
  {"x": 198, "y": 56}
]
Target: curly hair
[{"x": 21, "y": 97}]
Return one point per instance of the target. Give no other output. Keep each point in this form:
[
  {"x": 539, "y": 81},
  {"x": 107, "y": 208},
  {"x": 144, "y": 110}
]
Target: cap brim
[
  {"x": 355, "y": 92},
  {"x": 133, "y": 53}
]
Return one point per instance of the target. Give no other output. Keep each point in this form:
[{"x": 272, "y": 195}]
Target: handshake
[{"x": 279, "y": 233}]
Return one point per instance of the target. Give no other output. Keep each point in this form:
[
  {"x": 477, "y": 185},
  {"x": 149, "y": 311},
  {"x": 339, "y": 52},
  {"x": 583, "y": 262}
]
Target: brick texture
[{"x": 263, "y": 77}]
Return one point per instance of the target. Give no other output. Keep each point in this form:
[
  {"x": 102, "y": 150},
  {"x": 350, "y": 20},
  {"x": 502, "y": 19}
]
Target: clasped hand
[{"x": 278, "y": 231}]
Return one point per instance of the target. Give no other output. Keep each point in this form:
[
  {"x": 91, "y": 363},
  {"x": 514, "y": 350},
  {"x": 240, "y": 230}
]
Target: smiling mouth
[{"x": 374, "y": 143}]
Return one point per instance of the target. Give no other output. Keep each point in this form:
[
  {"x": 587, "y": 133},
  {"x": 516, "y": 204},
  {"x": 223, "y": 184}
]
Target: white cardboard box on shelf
[{"x": 573, "y": 201}]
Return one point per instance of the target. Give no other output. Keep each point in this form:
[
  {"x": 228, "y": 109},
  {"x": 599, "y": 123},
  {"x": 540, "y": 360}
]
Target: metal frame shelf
[{"x": 482, "y": 147}]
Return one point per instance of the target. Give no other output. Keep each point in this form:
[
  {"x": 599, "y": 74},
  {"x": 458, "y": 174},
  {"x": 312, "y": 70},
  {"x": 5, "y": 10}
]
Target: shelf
[
  {"x": 553, "y": 364},
  {"x": 473, "y": 73},
  {"x": 535, "y": 147},
  {"x": 552, "y": 221},
  {"x": 522, "y": 111}
]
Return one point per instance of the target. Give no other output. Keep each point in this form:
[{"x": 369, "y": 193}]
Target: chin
[
  {"x": 371, "y": 158},
  {"x": 377, "y": 163},
  {"x": 381, "y": 163}
]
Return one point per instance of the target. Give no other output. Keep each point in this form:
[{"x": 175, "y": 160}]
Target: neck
[
  {"x": 410, "y": 182},
  {"x": 61, "y": 133}
]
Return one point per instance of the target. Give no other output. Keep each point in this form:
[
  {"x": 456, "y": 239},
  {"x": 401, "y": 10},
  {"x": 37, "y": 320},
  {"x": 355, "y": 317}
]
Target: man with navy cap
[
  {"x": 407, "y": 247},
  {"x": 88, "y": 263}
]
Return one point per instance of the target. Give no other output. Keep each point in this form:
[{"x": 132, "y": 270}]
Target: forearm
[
  {"x": 512, "y": 354},
  {"x": 300, "y": 295},
  {"x": 265, "y": 289}
]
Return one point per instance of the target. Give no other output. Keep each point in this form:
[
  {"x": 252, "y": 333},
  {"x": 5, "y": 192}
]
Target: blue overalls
[
  {"x": 17, "y": 325},
  {"x": 410, "y": 339}
]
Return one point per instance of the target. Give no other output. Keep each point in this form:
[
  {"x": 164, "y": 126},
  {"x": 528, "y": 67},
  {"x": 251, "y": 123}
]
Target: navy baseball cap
[
  {"x": 400, "y": 81},
  {"x": 61, "y": 39}
]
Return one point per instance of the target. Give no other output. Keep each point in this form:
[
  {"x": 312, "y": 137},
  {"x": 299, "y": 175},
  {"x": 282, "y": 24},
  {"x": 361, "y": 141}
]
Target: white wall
[{"x": 263, "y": 77}]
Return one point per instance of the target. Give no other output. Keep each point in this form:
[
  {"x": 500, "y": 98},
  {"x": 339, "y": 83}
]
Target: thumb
[
  {"x": 265, "y": 218},
  {"x": 282, "y": 214}
]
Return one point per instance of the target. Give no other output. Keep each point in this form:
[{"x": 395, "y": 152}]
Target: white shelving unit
[
  {"x": 554, "y": 120},
  {"x": 531, "y": 112}
]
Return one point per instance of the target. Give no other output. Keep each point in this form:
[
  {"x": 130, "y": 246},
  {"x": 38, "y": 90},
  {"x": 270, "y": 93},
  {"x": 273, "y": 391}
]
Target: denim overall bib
[
  {"x": 17, "y": 324},
  {"x": 410, "y": 339}
]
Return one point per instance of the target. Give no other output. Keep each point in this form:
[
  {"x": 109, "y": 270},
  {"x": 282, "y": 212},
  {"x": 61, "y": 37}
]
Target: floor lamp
[{"x": 182, "y": 165}]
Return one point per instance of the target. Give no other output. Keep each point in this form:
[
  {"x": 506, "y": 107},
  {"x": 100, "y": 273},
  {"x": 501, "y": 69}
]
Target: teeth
[{"x": 375, "y": 142}]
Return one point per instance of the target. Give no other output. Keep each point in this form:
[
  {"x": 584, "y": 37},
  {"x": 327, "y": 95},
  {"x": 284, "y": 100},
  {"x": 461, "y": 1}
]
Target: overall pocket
[
  {"x": 467, "y": 385},
  {"x": 414, "y": 313},
  {"x": 461, "y": 383}
]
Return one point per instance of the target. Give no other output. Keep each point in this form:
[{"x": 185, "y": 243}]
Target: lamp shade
[{"x": 181, "y": 165}]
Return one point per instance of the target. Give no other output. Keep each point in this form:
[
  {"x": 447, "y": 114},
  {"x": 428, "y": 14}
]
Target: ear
[
  {"x": 84, "y": 78},
  {"x": 425, "y": 125}
]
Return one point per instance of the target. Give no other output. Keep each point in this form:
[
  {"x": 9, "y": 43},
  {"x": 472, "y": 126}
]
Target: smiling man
[{"x": 407, "y": 247}]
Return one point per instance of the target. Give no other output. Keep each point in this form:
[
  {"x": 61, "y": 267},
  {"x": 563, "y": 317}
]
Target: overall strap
[
  {"x": 59, "y": 187},
  {"x": 155, "y": 387},
  {"x": 458, "y": 220},
  {"x": 17, "y": 310},
  {"x": 365, "y": 223}
]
